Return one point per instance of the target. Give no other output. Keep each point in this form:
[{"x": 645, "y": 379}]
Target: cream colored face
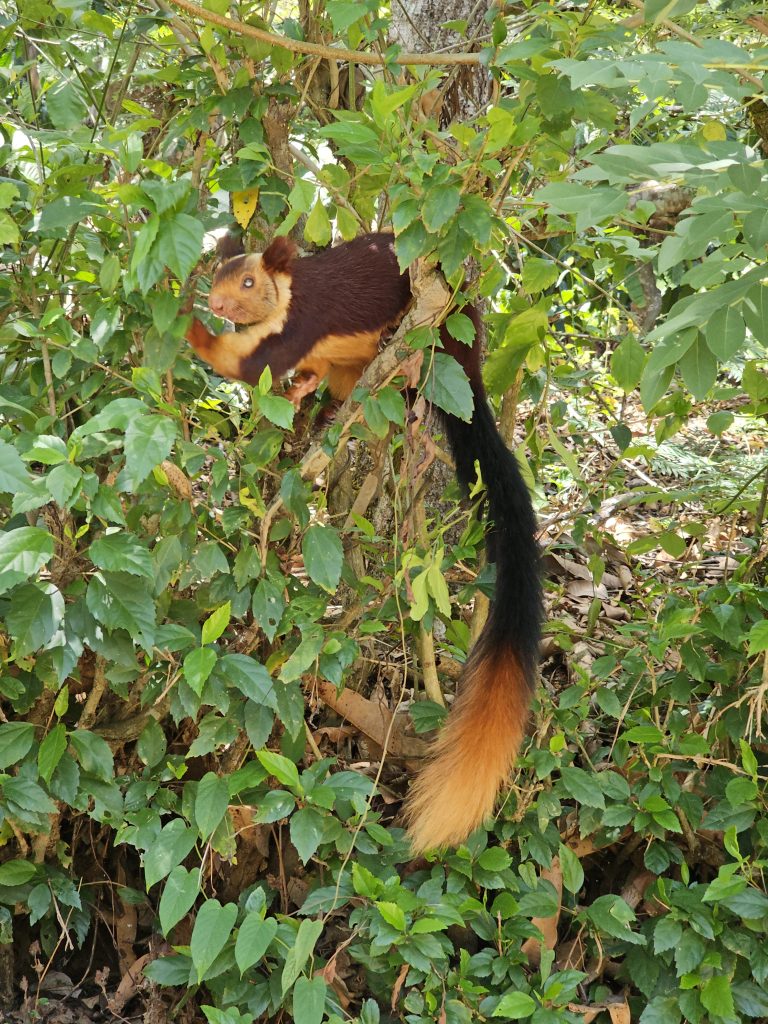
[{"x": 243, "y": 292}]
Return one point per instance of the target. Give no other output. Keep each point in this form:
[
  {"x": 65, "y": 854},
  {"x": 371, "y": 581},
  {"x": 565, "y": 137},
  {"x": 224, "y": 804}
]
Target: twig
[
  {"x": 426, "y": 645},
  {"x": 320, "y": 50}
]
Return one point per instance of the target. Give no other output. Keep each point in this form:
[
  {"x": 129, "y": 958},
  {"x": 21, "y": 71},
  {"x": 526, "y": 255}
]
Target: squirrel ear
[{"x": 279, "y": 255}]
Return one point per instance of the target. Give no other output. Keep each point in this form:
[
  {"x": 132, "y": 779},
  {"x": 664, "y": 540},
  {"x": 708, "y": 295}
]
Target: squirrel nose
[{"x": 216, "y": 304}]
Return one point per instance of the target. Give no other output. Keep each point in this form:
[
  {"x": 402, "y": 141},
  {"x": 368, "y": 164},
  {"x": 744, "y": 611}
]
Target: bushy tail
[{"x": 475, "y": 751}]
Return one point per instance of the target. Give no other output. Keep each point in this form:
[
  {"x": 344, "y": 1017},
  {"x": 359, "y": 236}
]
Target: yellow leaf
[
  {"x": 244, "y": 206},
  {"x": 713, "y": 131}
]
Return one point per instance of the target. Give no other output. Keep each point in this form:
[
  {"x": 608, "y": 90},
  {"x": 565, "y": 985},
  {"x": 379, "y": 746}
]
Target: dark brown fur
[{"x": 323, "y": 316}]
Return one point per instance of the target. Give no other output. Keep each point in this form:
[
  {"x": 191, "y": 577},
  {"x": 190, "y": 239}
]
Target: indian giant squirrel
[{"x": 323, "y": 315}]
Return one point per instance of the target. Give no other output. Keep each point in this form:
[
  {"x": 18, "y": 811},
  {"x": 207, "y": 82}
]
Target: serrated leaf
[
  {"x": 179, "y": 243},
  {"x": 278, "y": 410},
  {"x": 121, "y": 601},
  {"x": 581, "y": 785},
  {"x": 148, "y": 442},
  {"x": 122, "y": 552},
  {"x": 93, "y": 753},
  {"x": 13, "y": 473},
  {"x": 447, "y": 387},
  {"x": 16, "y": 739},
  {"x": 307, "y": 828},
  {"x": 22, "y": 552},
  {"x": 439, "y": 205}
]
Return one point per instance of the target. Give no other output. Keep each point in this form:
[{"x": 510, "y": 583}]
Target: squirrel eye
[{"x": 247, "y": 282}]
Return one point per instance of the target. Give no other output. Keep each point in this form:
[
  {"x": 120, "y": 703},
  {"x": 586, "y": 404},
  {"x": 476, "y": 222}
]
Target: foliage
[{"x": 173, "y": 590}]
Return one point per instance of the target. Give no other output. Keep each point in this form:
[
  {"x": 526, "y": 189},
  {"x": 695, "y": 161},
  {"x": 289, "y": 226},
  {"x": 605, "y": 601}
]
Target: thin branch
[{"x": 318, "y": 49}]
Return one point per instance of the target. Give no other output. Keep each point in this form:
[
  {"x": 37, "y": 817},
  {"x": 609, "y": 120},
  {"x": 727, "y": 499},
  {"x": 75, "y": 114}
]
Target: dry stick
[
  {"x": 426, "y": 645},
  {"x": 99, "y": 685},
  {"x": 318, "y": 49}
]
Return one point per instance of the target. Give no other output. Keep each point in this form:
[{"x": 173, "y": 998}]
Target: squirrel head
[{"x": 254, "y": 288}]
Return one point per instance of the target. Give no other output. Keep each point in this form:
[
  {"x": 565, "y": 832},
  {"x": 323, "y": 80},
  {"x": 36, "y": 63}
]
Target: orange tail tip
[{"x": 473, "y": 755}]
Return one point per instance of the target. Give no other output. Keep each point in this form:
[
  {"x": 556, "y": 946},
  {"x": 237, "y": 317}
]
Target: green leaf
[
  {"x": 343, "y": 13},
  {"x": 148, "y": 441},
  {"x": 725, "y": 332},
  {"x": 460, "y": 327},
  {"x": 120, "y": 601},
  {"x": 22, "y": 552},
  {"x": 323, "y": 556},
  {"x": 178, "y": 245},
  {"x": 440, "y": 204},
  {"x": 661, "y": 1010},
  {"x": 392, "y": 914},
  {"x": 277, "y": 409},
  {"x": 666, "y": 934},
  {"x": 17, "y": 872},
  {"x": 253, "y": 940},
  {"x": 179, "y": 894},
  {"x": 306, "y": 937},
  {"x": 308, "y": 1000},
  {"x": 614, "y": 917},
  {"x": 539, "y": 274},
  {"x": 13, "y": 474},
  {"x": 573, "y": 872},
  {"x": 65, "y": 105},
  {"x": 411, "y": 243},
  {"x": 699, "y": 369},
  {"x": 716, "y": 996},
  {"x": 317, "y": 228},
  {"x": 122, "y": 552},
  {"x": 216, "y": 623},
  {"x": 167, "y": 849},
  {"x": 689, "y": 950},
  {"x": 198, "y": 665},
  {"x": 51, "y": 752},
  {"x": 307, "y": 828},
  {"x": 582, "y": 786},
  {"x": 250, "y": 677},
  {"x": 213, "y": 926},
  {"x": 151, "y": 745},
  {"x": 284, "y": 771},
  {"x": 93, "y": 753},
  {"x": 627, "y": 363},
  {"x": 16, "y": 739},
  {"x": 211, "y": 801},
  {"x": 446, "y": 386},
  {"x": 515, "y": 1006},
  {"x": 33, "y": 617},
  {"x": 268, "y": 606}
]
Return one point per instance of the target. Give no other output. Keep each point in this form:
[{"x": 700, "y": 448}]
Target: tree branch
[{"x": 318, "y": 49}]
